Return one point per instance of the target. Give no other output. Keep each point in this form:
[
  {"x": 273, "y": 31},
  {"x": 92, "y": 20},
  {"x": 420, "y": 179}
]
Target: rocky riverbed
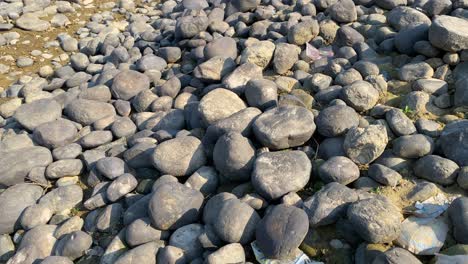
[{"x": 243, "y": 131}]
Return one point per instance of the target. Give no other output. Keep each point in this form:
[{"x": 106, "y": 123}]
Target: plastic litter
[
  {"x": 316, "y": 54},
  {"x": 300, "y": 258},
  {"x": 423, "y": 236},
  {"x": 433, "y": 207}
]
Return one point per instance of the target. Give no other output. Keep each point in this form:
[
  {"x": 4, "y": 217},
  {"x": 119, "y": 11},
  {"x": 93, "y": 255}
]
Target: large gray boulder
[
  {"x": 364, "y": 145},
  {"x": 87, "y": 112},
  {"x": 127, "y": 84}
]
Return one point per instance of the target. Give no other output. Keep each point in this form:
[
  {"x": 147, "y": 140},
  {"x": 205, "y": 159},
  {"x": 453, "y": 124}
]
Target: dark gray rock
[
  {"x": 111, "y": 167},
  {"x": 63, "y": 198},
  {"x": 95, "y": 139},
  {"x": 343, "y": 11},
  {"x": 436, "y": 169},
  {"x": 384, "y": 175},
  {"x": 180, "y": 156},
  {"x": 404, "y": 16},
  {"x": 13, "y": 201},
  {"x": 170, "y": 254},
  {"x": 413, "y": 146},
  {"x": 109, "y": 218},
  {"x": 278, "y": 173},
  {"x": 390, "y": 4},
  {"x": 462, "y": 178},
  {"x": 329, "y": 204},
  {"x": 457, "y": 213},
  {"x": 164, "y": 215},
  {"x": 140, "y": 232},
  {"x": 189, "y": 26},
  {"x": 261, "y": 93},
  {"x": 336, "y": 120},
  {"x": 281, "y": 231},
  {"x": 396, "y": 255},
  {"x": 39, "y": 242},
  {"x": 406, "y": 38},
  {"x": 399, "y": 123},
  {"x": 284, "y": 127},
  {"x": 414, "y": 71},
  {"x": 348, "y": 36},
  {"x": 284, "y": 57},
  {"x": 376, "y": 220},
  {"x": 233, "y": 156},
  {"x": 73, "y": 245},
  {"x": 140, "y": 155},
  {"x": 453, "y": 141},
  {"x": 186, "y": 238},
  {"x": 235, "y": 221},
  {"x": 339, "y": 169},
  {"x": 38, "y": 112}
]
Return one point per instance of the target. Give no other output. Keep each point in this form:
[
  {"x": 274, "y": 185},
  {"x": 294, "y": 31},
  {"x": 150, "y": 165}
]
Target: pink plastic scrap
[{"x": 316, "y": 54}]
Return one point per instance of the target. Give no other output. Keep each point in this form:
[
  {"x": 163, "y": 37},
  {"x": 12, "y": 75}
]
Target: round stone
[
  {"x": 336, "y": 120},
  {"x": 127, "y": 84},
  {"x": 219, "y": 104},
  {"x": 339, "y": 169}
]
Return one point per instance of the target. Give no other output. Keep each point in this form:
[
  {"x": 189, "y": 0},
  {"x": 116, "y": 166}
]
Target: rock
[
  {"x": 16, "y": 164},
  {"x": 111, "y": 167},
  {"x": 40, "y": 240},
  {"x": 170, "y": 254},
  {"x": 329, "y": 204},
  {"x": 376, "y": 220},
  {"x": 140, "y": 155},
  {"x": 219, "y": 104},
  {"x": 186, "y": 238},
  {"x": 404, "y": 16},
  {"x": 413, "y": 146},
  {"x": 180, "y": 156},
  {"x": 146, "y": 63},
  {"x": 390, "y": 4},
  {"x": 261, "y": 93},
  {"x": 31, "y": 22},
  {"x": 364, "y": 145},
  {"x": 436, "y": 169},
  {"x": 384, "y": 175},
  {"x": 164, "y": 215},
  {"x": 259, "y": 53},
  {"x": 63, "y": 168},
  {"x": 205, "y": 179},
  {"x": 453, "y": 142},
  {"x": 55, "y": 134},
  {"x": 431, "y": 86},
  {"x": 13, "y": 201},
  {"x": 414, "y": 71},
  {"x": 127, "y": 84},
  {"x": 278, "y": 173},
  {"x": 7, "y": 248},
  {"x": 109, "y": 218},
  {"x": 457, "y": 214},
  {"x": 188, "y": 26},
  {"x": 170, "y": 54},
  {"x": 343, "y": 11},
  {"x": 339, "y": 169},
  {"x": 449, "y": 33},
  {"x": 397, "y": 255},
  {"x": 462, "y": 178},
  {"x": 145, "y": 253},
  {"x": 303, "y": 32},
  {"x": 73, "y": 245},
  {"x": 56, "y": 260},
  {"x": 284, "y": 127},
  {"x": 232, "y": 253},
  {"x": 234, "y": 156},
  {"x": 224, "y": 46},
  {"x": 95, "y": 139},
  {"x": 348, "y": 36},
  {"x": 140, "y": 232},
  {"x": 235, "y": 221},
  {"x": 284, "y": 57},
  {"x": 336, "y": 120},
  {"x": 87, "y": 112},
  {"x": 240, "y": 76},
  {"x": 38, "y": 112},
  {"x": 360, "y": 95},
  {"x": 399, "y": 123},
  {"x": 214, "y": 69},
  {"x": 281, "y": 231},
  {"x": 63, "y": 198},
  {"x": 121, "y": 186}
]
